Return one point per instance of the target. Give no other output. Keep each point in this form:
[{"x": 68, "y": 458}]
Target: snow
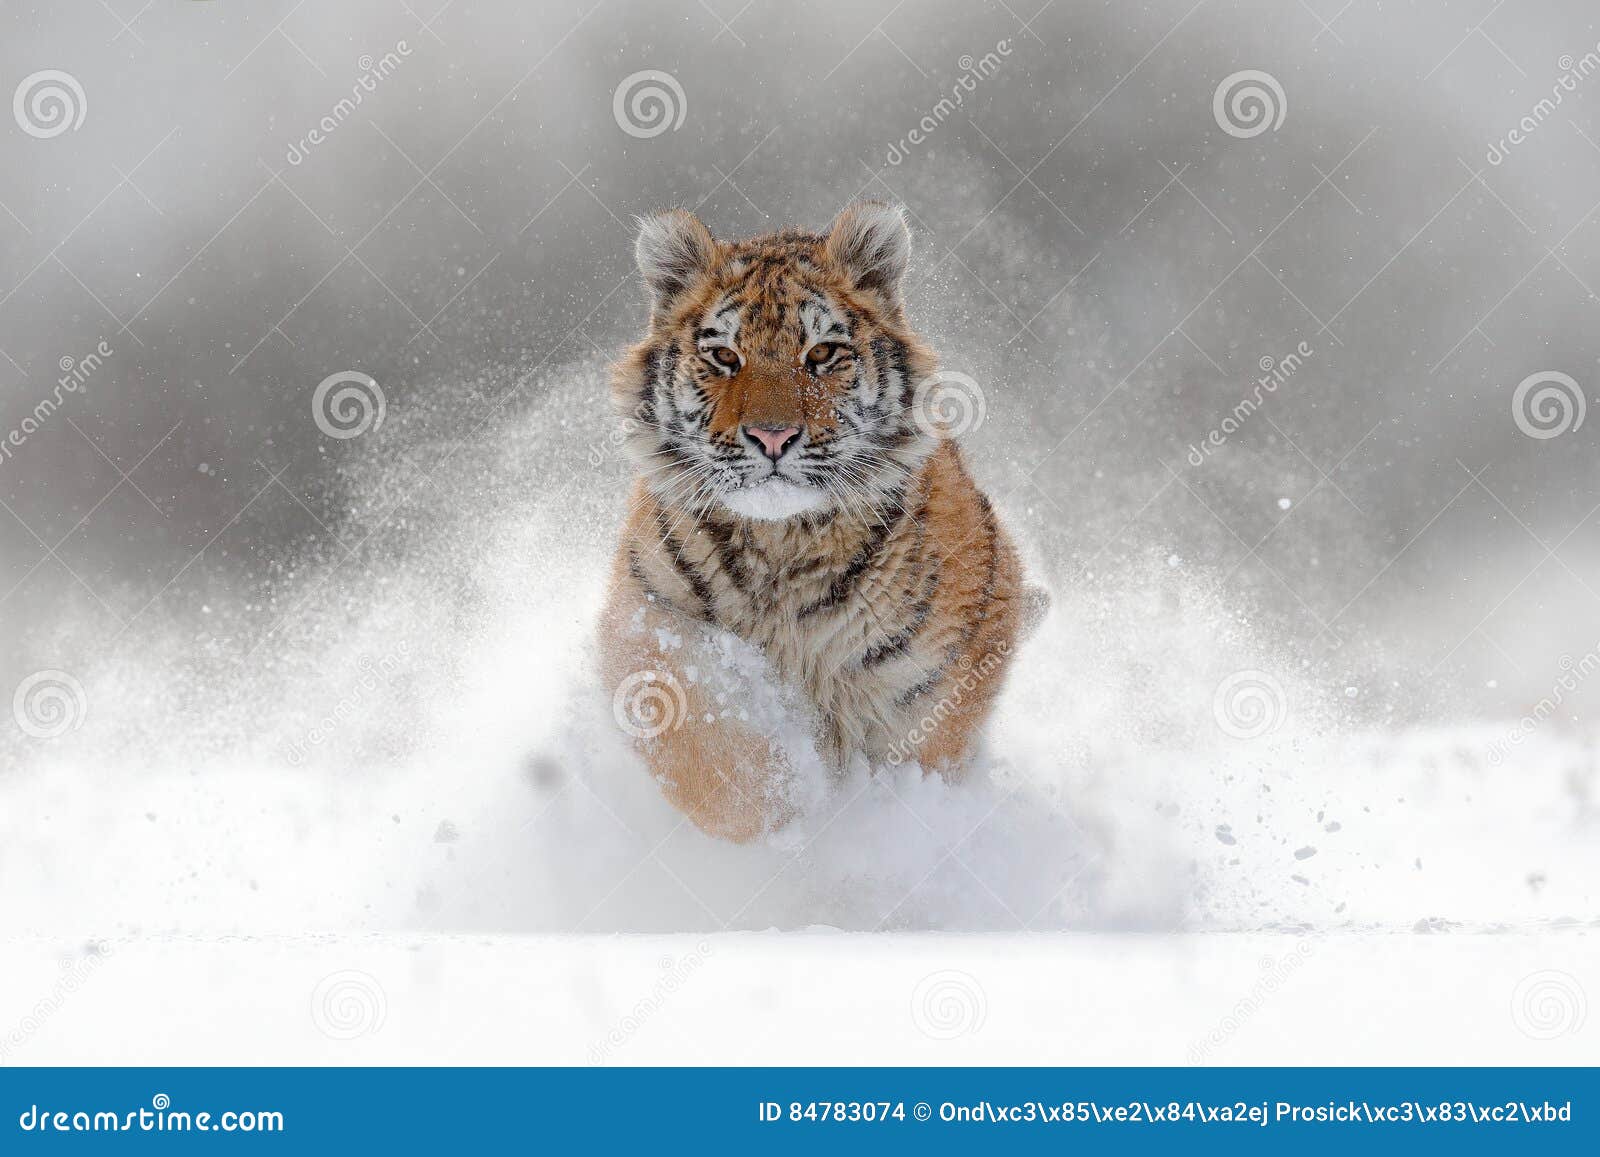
[
  {"x": 1155, "y": 765},
  {"x": 806, "y": 997},
  {"x": 345, "y": 789},
  {"x": 402, "y": 825}
]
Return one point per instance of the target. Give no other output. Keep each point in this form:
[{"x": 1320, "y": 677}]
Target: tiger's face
[{"x": 777, "y": 376}]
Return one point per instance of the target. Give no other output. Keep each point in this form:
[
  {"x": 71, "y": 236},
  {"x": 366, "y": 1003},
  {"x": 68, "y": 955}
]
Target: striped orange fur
[{"x": 790, "y": 497}]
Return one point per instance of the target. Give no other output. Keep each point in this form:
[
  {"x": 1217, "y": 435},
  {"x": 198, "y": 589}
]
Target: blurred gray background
[{"x": 1095, "y": 249}]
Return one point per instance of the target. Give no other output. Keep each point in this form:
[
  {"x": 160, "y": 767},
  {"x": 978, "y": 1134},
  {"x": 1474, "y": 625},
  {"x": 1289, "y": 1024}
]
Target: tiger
[{"x": 794, "y": 493}]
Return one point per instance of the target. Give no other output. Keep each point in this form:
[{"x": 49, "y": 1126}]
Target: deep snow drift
[
  {"x": 414, "y": 741},
  {"x": 1282, "y": 687}
]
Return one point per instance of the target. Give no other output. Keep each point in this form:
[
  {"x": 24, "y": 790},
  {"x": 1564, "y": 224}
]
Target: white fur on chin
[{"x": 774, "y": 500}]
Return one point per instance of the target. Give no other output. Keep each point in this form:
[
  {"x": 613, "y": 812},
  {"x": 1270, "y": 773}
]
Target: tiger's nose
[{"x": 773, "y": 440}]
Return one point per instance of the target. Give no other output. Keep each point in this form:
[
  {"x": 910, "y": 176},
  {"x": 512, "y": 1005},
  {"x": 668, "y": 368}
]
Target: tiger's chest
[{"x": 857, "y": 633}]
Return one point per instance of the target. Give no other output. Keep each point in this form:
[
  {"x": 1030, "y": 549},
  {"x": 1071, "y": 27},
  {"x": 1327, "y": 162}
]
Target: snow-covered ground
[
  {"x": 813, "y": 997},
  {"x": 395, "y": 755},
  {"x": 401, "y": 825}
]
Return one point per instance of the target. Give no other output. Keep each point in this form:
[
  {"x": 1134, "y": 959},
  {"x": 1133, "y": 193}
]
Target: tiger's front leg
[{"x": 699, "y": 707}]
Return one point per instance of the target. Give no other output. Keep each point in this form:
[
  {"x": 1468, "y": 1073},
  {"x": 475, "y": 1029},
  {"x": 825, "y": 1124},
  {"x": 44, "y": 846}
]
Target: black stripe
[
  {"x": 644, "y": 408},
  {"x": 817, "y": 519},
  {"x": 696, "y": 583},
  {"x": 637, "y": 572},
  {"x": 881, "y": 360},
  {"x": 652, "y": 361},
  {"x": 667, "y": 365},
  {"x": 932, "y": 680},
  {"x": 993, "y": 527},
  {"x": 897, "y": 643},
  {"x": 890, "y": 354},
  {"x": 911, "y": 694},
  {"x": 902, "y": 435},
  {"x": 806, "y": 569},
  {"x": 842, "y": 586},
  {"x": 728, "y": 557}
]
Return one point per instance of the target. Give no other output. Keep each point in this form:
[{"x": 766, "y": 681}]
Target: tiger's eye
[
  {"x": 818, "y": 354},
  {"x": 726, "y": 357}
]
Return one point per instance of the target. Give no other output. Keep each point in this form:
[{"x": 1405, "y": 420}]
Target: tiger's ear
[
  {"x": 672, "y": 250},
  {"x": 872, "y": 244}
]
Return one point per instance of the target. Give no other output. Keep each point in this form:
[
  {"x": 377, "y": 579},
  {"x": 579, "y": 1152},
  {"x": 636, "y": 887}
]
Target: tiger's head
[{"x": 777, "y": 376}]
